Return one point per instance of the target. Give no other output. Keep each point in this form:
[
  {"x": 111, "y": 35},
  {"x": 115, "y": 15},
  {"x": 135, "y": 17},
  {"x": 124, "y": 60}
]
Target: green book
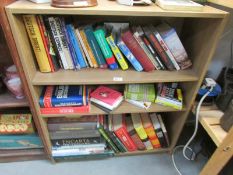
[{"x": 140, "y": 92}]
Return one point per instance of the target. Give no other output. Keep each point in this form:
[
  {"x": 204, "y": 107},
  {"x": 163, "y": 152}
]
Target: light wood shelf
[
  {"x": 123, "y": 108},
  {"x": 106, "y": 76},
  {"x": 226, "y": 3},
  {"x": 22, "y": 154},
  {"x": 106, "y": 7},
  {"x": 210, "y": 120},
  {"x": 7, "y": 100},
  {"x": 160, "y": 150}
]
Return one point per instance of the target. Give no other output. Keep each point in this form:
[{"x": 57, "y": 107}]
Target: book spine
[
  {"x": 57, "y": 41},
  {"x": 123, "y": 135},
  {"x": 117, "y": 53},
  {"x": 77, "y": 46},
  {"x": 110, "y": 59},
  {"x": 128, "y": 54},
  {"x": 95, "y": 47},
  {"x": 163, "y": 129},
  {"x": 137, "y": 51},
  {"x": 73, "y": 126},
  {"x": 165, "y": 48},
  {"x": 60, "y": 24},
  {"x": 73, "y": 134},
  {"x": 37, "y": 42},
  {"x": 75, "y": 142},
  {"x": 109, "y": 141},
  {"x": 151, "y": 49},
  {"x": 46, "y": 99},
  {"x": 152, "y": 137},
  {"x": 43, "y": 36},
  {"x": 88, "y": 48},
  {"x": 65, "y": 110},
  {"x": 71, "y": 46},
  {"x": 117, "y": 142},
  {"x": 146, "y": 50},
  {"x": 138, "y": 142},
  {"x": 143, "y": 136},
  {"x": 158, "y": 48}
]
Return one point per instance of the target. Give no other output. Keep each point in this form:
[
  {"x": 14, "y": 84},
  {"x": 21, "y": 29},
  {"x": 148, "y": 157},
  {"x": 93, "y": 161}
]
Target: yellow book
[
  {"x": 120, "y": 58},
  {"x": 88, "y": 48},
  {"x": 37, "y": 42},
  {"x": 137, "y": 123}
]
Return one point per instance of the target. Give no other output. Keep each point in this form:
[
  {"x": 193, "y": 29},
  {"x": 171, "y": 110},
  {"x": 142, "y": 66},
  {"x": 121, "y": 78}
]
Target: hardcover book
[
  {"x": 128, "y": 38},
  {"x": 37, "y": 42},
  {"x": 106, "y": 97},
  {"x": 63, "y": 95},
  {"x": 119, "y": 128},
  {"x": 140, "y": 92},
  {"x": 16, "y": 124},
  {"x": 65, "y": 110},
  {"x": 163, "y": 129},
  {"x": 174, "y": 44}
]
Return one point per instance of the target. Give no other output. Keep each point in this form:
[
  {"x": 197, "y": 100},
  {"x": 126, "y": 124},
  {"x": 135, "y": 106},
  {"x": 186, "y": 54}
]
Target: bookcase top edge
[{"x": 111, "y": 8}]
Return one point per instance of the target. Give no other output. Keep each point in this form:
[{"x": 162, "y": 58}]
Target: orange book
[{"x": 148, "y": 126}]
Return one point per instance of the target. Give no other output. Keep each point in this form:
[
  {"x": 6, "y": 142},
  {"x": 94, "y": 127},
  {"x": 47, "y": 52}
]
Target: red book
[
  {"x": 128, "y": 38},
  {"x": 119, "y": 128},
  {"x": 106, "y": 95},
  {"x": 42, "y": 31},
  {"x": 65, "y": 110}
]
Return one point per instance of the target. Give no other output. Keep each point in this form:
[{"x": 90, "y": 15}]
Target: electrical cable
[{"x": 186, "y": 146}]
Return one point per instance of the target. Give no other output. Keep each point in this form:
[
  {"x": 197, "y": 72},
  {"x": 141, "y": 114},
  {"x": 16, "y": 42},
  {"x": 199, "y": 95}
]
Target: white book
[
  {"x": 141, "y": 104},
  {"x": 179, "y": 5}
]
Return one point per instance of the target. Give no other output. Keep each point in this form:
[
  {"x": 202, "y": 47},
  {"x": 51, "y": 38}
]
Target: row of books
[
  {"x": 17, "y": 131},
  {"x": 60, "y": 44},
  {"x": 107, "y": 134},
  {"x": 75, "y": 99}
]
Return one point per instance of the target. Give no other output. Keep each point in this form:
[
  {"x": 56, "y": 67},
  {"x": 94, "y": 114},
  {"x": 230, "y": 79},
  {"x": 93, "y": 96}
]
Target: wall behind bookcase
[{"x": 222, "y": 54}]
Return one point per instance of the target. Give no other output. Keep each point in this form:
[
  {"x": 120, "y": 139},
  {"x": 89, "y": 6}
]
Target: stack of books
[
  {"x": 169, "y": 94},
  {"x": 141, "y": 95},
  {"x": 106, "y": 98},
  {"x": 77, "y": 137},
  {"x": 17, "y": 131},
  {"x": 59, "y": 43},
  {"x": 64, "y": 99},
  {"x": 106, "y": 135}
]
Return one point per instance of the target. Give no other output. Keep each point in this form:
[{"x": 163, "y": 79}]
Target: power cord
[{"x": 209, "y": 83}]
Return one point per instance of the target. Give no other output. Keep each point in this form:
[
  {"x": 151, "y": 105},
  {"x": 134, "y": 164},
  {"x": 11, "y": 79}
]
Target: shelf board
[
  {"x": 143, "y": 152},
  {"x": 21, "y": 154},
  {"x": 125, "y": 107},
  {"x": 7, "y": 100},
  {"x": 210, "y": 120},
  {"x": 106, "y": 76},
  {"x": 106, "y": 7},
  {"x": 225, "y": 3}
]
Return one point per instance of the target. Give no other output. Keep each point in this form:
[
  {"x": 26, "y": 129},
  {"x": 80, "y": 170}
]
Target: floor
[{"x": 136, "y": 165}]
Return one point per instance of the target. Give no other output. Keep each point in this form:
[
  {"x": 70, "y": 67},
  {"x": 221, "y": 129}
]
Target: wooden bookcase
[
  {"x": 199, "y": 32},
  {"x": 9, "y": 56}
]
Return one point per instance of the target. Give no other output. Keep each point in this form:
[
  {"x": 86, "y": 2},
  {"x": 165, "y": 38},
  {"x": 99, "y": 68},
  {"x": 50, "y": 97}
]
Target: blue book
[
  {"x": 128, "y": 54},
  {"x": 76, "y": 45},
  {"x": 63, "y": 95},
  {"x": 20, "y": 141}
]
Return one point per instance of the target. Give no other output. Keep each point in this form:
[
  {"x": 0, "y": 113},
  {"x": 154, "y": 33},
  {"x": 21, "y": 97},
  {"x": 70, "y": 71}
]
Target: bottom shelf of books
[
  {"x": 100, "y": 136},
  {"x": 18, "y": 138}
]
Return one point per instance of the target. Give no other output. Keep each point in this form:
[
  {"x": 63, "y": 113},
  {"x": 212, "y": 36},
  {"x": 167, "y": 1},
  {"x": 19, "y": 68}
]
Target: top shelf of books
[{"x": 106, "y": 7}]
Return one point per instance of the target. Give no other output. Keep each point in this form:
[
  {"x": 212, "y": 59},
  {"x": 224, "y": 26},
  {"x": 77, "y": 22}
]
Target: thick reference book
[
  {"x": 133, "y": 134},
  {"x": 63, "y": 95},
  {"x": 158, "y": 130},
  {"x": 37, "y": 42},
  {"x": 174, "y": 44},
  {"x": 88, "y": 30},
  {"x": 106, "y": 97},
  {"x": 119, "y": 128},
  {"x": 156, "y": 45},
  {"x": 66, "y": 110},
  {"x": 140, "y": 92},
  {"x": 137, "y": 123},
  {"x": 148, "y": 126},
  {"x": 128, "y": 38}
]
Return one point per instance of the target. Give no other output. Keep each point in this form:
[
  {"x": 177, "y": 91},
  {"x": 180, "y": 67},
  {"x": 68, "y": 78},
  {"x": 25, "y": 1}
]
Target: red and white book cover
[
  {"x": 65, "y": 110},
  {"x": 106, "y": 95},
  {"x": 119, "y": 128}
]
